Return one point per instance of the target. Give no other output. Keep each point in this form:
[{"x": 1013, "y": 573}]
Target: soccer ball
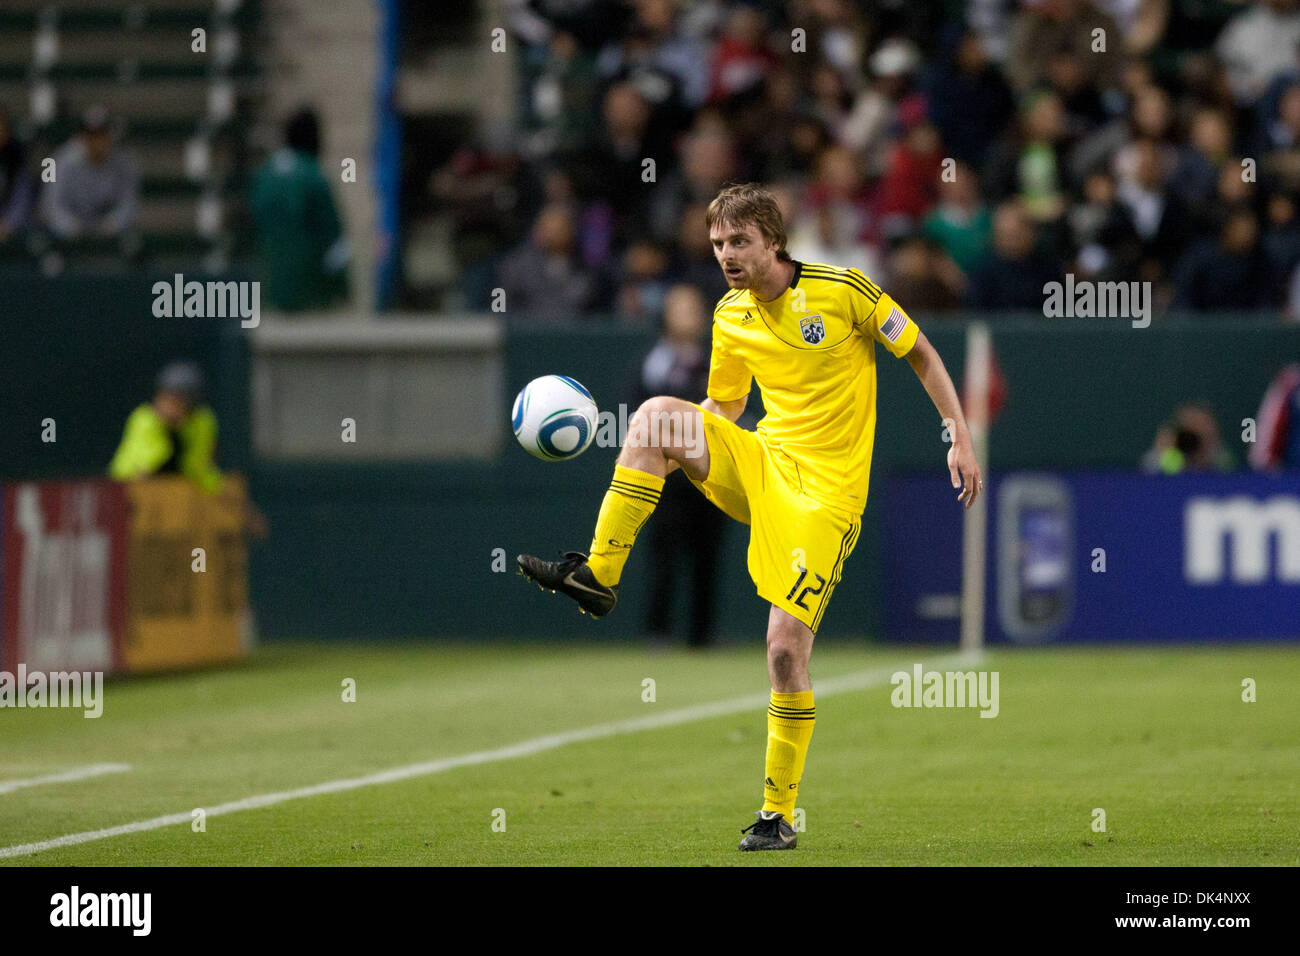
[{"x": 554, "y": 418}]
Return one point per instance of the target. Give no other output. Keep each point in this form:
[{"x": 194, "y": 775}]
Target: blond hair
[{"x": 743, "y": 204}]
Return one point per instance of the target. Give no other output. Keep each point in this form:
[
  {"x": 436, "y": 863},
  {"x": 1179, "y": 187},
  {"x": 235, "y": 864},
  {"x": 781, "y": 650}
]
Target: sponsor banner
[
  {"x": 1090, "y": 556},
  {"x": 188, "y": 585},
  {"x": 62, "y": 576}
]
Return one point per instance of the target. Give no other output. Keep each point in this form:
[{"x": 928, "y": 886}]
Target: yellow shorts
[{"x": 797, "y": 546}]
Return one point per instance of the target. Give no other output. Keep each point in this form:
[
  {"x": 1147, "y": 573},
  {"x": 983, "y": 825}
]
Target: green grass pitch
[{"x": 1160, "y": 739}]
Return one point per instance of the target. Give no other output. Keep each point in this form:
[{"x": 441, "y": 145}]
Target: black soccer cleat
[
  {"x": 769, "y": 832},
  {"x": 572, "y": 577}
]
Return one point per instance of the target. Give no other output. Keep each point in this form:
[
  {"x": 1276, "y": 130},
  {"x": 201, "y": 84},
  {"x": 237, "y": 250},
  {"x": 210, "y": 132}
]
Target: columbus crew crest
[{"x": 812, "y": 329}]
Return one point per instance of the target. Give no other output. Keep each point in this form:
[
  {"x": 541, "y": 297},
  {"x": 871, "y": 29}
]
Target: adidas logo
[
  {"x": 769, "y": 784},
  {"x": 747, "y": 320}
]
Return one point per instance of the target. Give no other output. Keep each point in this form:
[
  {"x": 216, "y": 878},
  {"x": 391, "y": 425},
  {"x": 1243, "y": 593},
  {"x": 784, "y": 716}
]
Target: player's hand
[{"x": 963, "y": 468}]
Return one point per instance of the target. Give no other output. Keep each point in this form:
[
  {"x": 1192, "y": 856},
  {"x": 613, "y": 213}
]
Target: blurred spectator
[
  {"x": 176, "y": 434},
  {"x": 992, "y": 19},
  {"x": 708, "y": 162},
  {"x": 1293, "y": 296},
  {"x": 1029, "y": 164},
  {"x": 819, "y": 236},
  {"x": 969, "y": 100},
  {"x": 302, "y": 252},
  {"x": 470, "y": 185},
  {"x": 1232, "y": 191},
  {"x": 1044, "y": 28},
  {"x": 1082, "y": 103},
  {"x": 96, "y": 187},
  {"x": 807, "y": 140},
  {"x": 885, "y": 104},
  {"x": 643, "y": 282},
  {"x": 1266, "y": 107},
  {"x": 835, "y": 221},
  {"x": 592, "y": 23},
  {"x": 1142, "y": 22},
  {"x": 632, "y": 62},
  {"x": 831, "y": 98},
  {"x": 1160, "y": 218},
  {"x": 1277, "y": 439},
  {"x": 1281, "y": 242},
  {"x": 1225, "y": 273},
  {"x": 1191, "y": 29},
  {"x": 1188, "y": 441},
  {"x": 775, "y": 133},
  {"x": 742, "y": 57},
  {"x": 1203, "y": 79},
  {"x": 686, "y": 530},
  {"x": 908, "y": 189},
  {"x": 837, "y": 34},
  {"x": 1283, "y": 132},
  {"x": 543, "y": 278},
  {"x": 563, "y": 93},
  {"x": 611, "y": 170},
  {"x": 656, "y": 42},
  {"x": 1102, "y": 233},
  {"x": 923, "y": 277},
  {"x": 1149, "y": 116},
  {"x": 1258, "y": 44},
  {"x": 16, "y": 183},
  {"x": 1281, "y": 143},
  {"x": 1208, "y": 148},
  {"x": 1012, "y": 276},
  {"x": 961, "y": 223}
]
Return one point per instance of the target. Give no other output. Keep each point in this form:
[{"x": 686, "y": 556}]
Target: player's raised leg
[
  {"x": 790, "y": 719},
  {"x": 663, "y": 434}
]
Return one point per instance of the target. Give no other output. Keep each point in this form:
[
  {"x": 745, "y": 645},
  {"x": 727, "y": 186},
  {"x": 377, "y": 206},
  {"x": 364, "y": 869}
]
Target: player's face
[{"x": 741, "y": 252}]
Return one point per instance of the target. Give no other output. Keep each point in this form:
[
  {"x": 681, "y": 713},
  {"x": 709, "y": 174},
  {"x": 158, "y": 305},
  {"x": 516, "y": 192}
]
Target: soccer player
[{"x": 807, "y": 333}]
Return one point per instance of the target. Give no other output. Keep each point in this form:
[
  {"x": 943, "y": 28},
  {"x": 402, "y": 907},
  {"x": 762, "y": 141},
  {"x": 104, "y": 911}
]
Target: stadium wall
[{"x": 407, "y": 548}]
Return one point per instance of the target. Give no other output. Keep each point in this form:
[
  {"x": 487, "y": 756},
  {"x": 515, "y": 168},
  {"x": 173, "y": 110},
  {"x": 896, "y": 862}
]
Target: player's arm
[
  {"x": 929, "y": 368},
  {"x": 728, "y": 376},
  {"x": 878, "y": 315}
]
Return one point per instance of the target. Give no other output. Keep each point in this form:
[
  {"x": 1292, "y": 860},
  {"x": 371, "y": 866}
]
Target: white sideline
[
  {"x": 846, "y": 683},
  {"x": 64, "y": 776}
]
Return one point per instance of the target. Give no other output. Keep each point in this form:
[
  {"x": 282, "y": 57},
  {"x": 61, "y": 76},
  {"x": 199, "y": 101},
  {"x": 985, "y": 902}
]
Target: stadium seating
[{"x": 185, "y": 115}]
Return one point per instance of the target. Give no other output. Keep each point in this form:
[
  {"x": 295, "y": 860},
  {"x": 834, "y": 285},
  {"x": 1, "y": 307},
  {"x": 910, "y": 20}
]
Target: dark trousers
[{"x": 685, "y": 532}]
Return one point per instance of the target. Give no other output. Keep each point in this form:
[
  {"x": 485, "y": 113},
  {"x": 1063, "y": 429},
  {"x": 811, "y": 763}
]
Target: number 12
[{"x": 803, "y": 573}]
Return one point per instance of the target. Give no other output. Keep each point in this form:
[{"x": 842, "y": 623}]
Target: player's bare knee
[
  {"x": 638, "y": 445},
  {"x": 783, "y": 657},
  {"x": 657, "y": 424}
]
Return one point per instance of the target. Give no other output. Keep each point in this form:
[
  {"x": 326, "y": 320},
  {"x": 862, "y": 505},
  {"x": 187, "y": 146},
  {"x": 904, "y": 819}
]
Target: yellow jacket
[{"x": 147, "y": 445}]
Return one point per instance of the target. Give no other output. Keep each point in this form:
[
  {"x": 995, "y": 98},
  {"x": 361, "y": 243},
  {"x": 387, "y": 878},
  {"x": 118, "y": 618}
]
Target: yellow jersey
[{"x": 812, "y": 352}]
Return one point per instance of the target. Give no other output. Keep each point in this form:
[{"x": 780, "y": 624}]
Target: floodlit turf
[{"x": 1186, "y": 772}]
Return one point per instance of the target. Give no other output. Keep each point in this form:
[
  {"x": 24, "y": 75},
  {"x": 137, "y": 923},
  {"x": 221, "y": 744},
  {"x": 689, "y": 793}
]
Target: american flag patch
[{"x": 893, "y": 326}]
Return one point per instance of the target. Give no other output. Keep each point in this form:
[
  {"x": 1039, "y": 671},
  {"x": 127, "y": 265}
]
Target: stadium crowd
[{"x": 962, "y": 152}]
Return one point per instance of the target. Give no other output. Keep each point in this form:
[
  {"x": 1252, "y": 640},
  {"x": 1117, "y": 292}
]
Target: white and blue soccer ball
[{"x": 554, "y": 418}]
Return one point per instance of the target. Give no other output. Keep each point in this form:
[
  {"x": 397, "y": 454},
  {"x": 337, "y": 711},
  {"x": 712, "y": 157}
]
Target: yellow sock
[
  {"x": 628, "y": 504},
  {"x": 790, "y": 719}
]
